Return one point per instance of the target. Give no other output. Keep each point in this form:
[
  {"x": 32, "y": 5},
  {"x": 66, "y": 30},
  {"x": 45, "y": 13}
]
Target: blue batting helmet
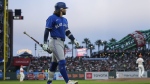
[{"x": 60, "y": 5}]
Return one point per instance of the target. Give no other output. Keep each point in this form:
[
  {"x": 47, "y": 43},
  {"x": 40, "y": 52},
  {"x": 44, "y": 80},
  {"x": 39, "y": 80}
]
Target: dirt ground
[{"x": 126, "y": 79}]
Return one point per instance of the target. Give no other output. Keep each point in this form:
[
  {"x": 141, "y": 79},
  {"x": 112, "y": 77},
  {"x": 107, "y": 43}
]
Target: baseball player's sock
[
  {"x": 51, "y": 71},
  {"x": 49, "y": 82},
  {"x": 53, "y": 66},
  {"x": 62, "y": 70},
  {"x": 50, "y": 75}
]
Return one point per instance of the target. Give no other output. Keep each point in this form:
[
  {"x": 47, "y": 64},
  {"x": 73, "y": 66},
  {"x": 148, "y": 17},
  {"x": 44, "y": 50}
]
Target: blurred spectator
[{"x": 113, "y": 63}]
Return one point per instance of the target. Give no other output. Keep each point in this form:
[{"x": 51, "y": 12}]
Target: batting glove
[
  {"x": 45, "y": 47},
  {"x": 76, "y": 43}
]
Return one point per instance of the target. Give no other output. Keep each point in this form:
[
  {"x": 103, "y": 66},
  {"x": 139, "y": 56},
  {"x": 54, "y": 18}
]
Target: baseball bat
[{"x": 37, "y": 42}]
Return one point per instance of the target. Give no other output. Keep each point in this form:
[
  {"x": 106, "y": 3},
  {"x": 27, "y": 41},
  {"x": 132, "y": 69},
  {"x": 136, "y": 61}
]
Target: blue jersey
[{"x": 58, "y": 26}]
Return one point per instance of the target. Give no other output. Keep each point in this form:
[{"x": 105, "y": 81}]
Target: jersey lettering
[{"x": 60, "y": 25}]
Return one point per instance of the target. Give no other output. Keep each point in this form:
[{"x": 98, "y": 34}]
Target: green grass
[{"x": 80, "y": 82}]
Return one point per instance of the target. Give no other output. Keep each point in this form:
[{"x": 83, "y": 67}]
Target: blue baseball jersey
[{"x": 58, "y": 25}]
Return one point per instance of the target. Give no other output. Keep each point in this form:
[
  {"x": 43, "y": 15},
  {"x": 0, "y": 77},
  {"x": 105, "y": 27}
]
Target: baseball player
[
  {"x": 140, "y": 62},
  {"x": 21, "y": 74},
  {"x": 57, "y": 26}
]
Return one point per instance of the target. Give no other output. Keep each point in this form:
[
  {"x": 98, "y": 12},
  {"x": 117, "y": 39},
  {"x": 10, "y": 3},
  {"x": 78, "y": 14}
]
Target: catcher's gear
[{"x": 60, "y": 5}]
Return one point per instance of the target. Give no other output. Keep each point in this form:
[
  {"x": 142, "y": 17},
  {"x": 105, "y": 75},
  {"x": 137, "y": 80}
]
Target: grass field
[{"x": 80, "y": 82}]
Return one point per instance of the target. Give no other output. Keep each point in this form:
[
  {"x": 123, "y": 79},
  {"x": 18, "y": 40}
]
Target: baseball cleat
[{"x": 72, "y": 82}]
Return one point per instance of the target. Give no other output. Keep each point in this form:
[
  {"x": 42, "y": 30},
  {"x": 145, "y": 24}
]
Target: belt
[{"x": 58, "y": 38}]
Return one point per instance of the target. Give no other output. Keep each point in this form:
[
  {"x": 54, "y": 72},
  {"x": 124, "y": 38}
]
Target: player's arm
[
  {"x": 69, "y": 35},
  {"x": 46, "y": 34},
  {"x": 68, "y": 32},
  {"x": 143, "y": 62},
  {"x": 137, "y": 62},
  {"x": 48, "y": 28}
]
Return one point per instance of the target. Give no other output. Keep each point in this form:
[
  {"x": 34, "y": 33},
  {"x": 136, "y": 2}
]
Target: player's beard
[{"x": 64, "y": 13}]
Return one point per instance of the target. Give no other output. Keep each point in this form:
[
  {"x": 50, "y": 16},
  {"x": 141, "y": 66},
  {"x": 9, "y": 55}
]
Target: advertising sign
[
  {"x": 33, "y": 75},
  {"x": 1, "y": 75},
  {"x": 44, "y": 75},
  {"x": 96, "y": 75},
  {"x": 134, "y": 74},
  {"x": 81, "y": 52},
  {"x": 21, "y": 61},
  {"x": 58, "y": 76}
]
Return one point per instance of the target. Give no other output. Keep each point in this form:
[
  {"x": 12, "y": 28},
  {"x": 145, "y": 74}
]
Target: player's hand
[
  {"x": 45, "y": 47},
  {"x": 76, "y": 43}
]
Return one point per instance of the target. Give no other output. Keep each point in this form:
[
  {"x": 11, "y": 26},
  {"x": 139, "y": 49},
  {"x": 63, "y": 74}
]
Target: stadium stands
[{"x": 113, "y": 63}]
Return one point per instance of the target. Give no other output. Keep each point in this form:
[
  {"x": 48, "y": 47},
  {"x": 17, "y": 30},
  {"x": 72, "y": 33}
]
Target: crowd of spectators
[
  {"x": 76, "y": 64},
  {"x": 39, "y": 64}
]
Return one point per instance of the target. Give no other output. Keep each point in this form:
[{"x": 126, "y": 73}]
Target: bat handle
[
  {"x": 41, "y": 45},
  {"x": 49, "y": 51}
]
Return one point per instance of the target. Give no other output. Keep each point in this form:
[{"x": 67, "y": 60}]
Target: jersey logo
[
  {"x": 60, "y": 25},
  {"x": 57, "y": 20}
]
